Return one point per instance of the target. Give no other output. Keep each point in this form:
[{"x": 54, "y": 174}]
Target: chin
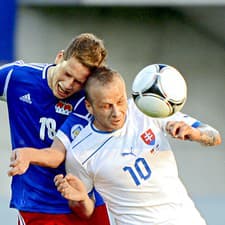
[
  {"x": 117, "y": 127},
  {"x": 62, "y": 95}
]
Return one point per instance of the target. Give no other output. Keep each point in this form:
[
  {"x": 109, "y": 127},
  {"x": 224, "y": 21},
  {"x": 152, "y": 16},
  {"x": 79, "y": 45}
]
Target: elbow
[
  {"x": 56, "y": 163},
  {"x": 218, "y": 140}
]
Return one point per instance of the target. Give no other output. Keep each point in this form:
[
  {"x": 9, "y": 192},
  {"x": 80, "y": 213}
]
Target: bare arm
[
  {"x": 205, "y": 134},
  {"x": 74, "y": 190},
  {"x": 21, "y": 158}
]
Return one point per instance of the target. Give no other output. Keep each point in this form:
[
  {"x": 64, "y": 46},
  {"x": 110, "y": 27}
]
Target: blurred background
[{"x": 188, "y": 34}]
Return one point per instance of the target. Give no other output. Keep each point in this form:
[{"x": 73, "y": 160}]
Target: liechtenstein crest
[{"x": 63, "y": 108}]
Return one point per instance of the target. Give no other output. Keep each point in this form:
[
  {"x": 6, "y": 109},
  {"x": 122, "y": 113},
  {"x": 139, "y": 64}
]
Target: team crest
[
  {"x": 75, "y": 130},
  {"x": 148, "y": 137},
  {"x": 63, "y": 108}
]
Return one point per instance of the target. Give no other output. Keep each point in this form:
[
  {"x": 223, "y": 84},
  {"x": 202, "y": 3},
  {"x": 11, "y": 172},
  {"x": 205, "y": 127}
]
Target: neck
[{"x": 50, "y": 74}]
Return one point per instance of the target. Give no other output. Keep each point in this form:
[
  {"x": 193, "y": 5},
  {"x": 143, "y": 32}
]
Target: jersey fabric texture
[
  {"x": 135, "y": 171},
  {"x": 35, "y": 115}
]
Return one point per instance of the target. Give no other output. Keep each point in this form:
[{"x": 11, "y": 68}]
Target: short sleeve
[{"x": 71, "y": 128}]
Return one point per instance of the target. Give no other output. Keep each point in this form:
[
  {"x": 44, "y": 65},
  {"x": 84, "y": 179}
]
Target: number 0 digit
[{"x": 141, "y": 168}]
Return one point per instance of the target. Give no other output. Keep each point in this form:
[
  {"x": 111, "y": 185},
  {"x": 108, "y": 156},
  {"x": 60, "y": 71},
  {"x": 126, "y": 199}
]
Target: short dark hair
[{"x": 103, "y": 75}]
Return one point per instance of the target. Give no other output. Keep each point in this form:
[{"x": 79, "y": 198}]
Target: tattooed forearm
[{"x": 208, "y": 136}]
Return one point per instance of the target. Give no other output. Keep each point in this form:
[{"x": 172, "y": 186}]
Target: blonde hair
[{"x": 88, "y": 49}]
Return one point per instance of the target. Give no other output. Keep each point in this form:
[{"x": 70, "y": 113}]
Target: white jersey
[{"x": 135, "y": 171}]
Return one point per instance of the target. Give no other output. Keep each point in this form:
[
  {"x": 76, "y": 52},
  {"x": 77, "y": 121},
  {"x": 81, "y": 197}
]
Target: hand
[
  {"x": 19, "y": 162},
  {"x": 182, "y": 131},
  {"x": 74, "y": 190},
  {"x": 71, "y": 187}
]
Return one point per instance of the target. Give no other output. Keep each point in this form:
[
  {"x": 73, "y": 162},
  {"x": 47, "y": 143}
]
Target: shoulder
[
  {"x": 21, "y": 65},
  {"x": 78, "y": 102},
  {"x": 136, "y": 115},
  {"x": 10, "y": 66},
  {"x": 72, "y": 126},
  {"x": 22, "y": 68}
]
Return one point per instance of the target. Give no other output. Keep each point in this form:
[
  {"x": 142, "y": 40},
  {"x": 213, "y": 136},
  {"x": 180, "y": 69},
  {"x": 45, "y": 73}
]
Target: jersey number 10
[{"x": 141, "y": 170}]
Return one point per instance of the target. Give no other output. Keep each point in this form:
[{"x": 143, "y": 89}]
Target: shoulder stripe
[
  {"x": 97, "y": 150},
  {"x": 8, "y": 65},
  {"x": 4, "y": 96},
  {"x": 196, "y": 124},
  {"x": 34, "y": 66},
  {"x": 78, "y": 103},
  {"x": 86, "y": 117},
  {"x": 73, "y": 146}
]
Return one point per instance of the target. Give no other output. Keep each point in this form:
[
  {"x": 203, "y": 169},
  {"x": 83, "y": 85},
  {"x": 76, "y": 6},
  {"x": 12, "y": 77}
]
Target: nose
[
  {"x": 68, "y": 83},
  {"x": 115, "y": 111}
]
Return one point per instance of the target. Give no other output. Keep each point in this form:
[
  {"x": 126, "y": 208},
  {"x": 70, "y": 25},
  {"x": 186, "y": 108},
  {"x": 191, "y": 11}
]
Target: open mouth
[{"x": 61, "y": 92}]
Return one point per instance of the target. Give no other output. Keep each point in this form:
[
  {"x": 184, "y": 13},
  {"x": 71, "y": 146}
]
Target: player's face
[
  {"x": 108, "y": 105},
  {"x": 68, "y": 77}
]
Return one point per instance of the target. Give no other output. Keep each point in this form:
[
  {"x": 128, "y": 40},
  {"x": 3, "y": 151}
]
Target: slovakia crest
[{"x": 148, "y": 137}]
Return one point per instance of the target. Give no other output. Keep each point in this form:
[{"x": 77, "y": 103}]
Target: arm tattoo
[{"x": 207, "y": 135}]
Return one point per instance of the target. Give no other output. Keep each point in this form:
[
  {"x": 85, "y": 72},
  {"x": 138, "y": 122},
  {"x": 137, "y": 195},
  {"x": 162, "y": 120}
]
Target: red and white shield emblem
[{"x": 148, "y": 137}]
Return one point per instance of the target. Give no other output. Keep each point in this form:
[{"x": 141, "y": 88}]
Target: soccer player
[
  {"x": 39, "y": 98},
  {"x": 126, "y": 156}
]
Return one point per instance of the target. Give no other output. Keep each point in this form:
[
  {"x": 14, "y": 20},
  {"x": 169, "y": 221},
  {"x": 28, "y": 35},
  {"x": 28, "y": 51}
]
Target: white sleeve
[
  {"x": 74, "y": 167},
  {"x": 63, "y": 138},
  {"x": 179, "y": 116}
]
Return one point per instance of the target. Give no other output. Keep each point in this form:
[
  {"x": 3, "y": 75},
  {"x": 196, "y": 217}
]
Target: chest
[
  {"x": 34, "y": 110},
  {"x": 131, "y": 159}
]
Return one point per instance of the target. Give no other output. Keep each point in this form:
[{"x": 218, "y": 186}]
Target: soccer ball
[{"x": 159, "y": 90}]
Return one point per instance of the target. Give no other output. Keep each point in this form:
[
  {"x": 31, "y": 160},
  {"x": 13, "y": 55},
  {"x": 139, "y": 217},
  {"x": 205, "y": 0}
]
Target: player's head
[
  {"x": 87, "y": 49},
  {"x": 81, "y": 57},
  {"x": 106, "y": 99}
]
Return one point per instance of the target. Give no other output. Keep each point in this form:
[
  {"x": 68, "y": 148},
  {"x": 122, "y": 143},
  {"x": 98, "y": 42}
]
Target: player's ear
[
  {"x": 88, "y": 106},
  {"x": 59, "y": 57}
]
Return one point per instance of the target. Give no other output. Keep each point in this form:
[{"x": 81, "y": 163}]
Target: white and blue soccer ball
[{"x": 159, "y": 90}]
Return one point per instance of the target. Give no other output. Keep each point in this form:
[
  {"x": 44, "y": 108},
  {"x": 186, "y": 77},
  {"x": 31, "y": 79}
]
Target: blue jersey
[{"x": 35, "y": 115}]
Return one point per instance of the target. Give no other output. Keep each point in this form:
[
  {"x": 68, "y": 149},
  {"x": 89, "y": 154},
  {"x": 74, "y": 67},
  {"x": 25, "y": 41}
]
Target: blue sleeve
[
  {"x": 73, "y": 125},
  {"x": 5, "y": 72},
  {"x": 78, "y": 119}
]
